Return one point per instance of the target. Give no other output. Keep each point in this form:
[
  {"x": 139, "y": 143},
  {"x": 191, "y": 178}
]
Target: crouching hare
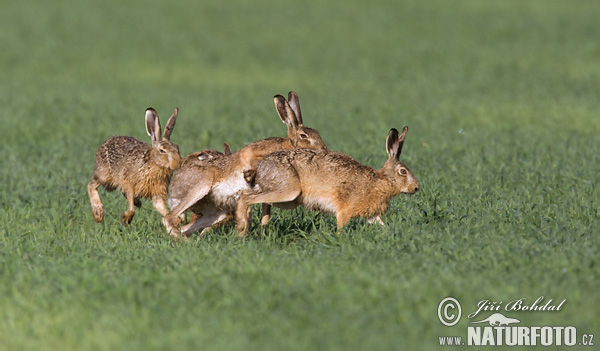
[
  {"x": 329, "y": 182},
  {"x": 209, "y": 187},
  {"x": 135, "y": 168}
]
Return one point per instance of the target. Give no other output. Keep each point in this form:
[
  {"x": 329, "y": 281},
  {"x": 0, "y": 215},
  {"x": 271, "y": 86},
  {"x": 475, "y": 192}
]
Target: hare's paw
[
  {"x": 171, "y": 222},
  {"x": 242, "y": 229},
  {"x": 375, "y": 220},
  {"x": 205, "y": 232},
  {"x": 127, "y": 217},
  {"x": 98, "y": 212},
  {"x": 172, "y": 226},
  {"x": 174, "y": 231}
]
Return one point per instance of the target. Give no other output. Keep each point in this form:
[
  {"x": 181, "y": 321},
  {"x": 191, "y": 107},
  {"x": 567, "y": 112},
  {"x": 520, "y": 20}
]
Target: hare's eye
[
  {"x": 403, "y": 171},
  {"x": 162, "y": 151},
  {"x": 303, "y": 136}
]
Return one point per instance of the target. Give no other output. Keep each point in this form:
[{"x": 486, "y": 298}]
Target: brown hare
[
  {"x": 327, "y": 181},
  {"x": 210, "y": 187},
  {"x": 135, "y": 168}
]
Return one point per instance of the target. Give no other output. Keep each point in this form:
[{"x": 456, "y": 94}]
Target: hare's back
[
  {"x": 121, "y": 149},
  {"x": 330, "y": 165},
  {"x": 200, "y": 158},
  {"x": 314, "y": 163}
]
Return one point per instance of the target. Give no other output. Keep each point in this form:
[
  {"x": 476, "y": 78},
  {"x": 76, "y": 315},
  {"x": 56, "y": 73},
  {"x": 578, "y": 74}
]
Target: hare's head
[
  {"x": 164, "y": 153},
  {"x": 396, "y": 170},
  {"x": 299, "y": 135}
]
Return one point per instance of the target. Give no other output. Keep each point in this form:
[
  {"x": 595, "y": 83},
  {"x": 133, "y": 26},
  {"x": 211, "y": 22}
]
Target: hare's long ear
[
  {"x": 171, "y": 124},
  {"x": 286, "y": 114},
  {"x": 226, "y": 149},
  {"x": 395, "y": 142},
  {"x": 152, "y": 125},
  {"x": 295, "y": 105}
]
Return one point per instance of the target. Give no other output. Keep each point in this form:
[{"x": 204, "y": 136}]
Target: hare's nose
[{"x": 416, "y": 189}]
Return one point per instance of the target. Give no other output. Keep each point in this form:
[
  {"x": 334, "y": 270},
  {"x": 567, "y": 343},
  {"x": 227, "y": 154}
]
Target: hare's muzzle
[
  {"x": 172, "y": 160},
  {"x": 175, "y": 162},
  {"x": 410, "y": 188}
]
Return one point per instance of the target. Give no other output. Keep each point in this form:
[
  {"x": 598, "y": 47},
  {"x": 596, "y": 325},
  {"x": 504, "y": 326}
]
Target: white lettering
[
  {"x": 535, "y": 334},
  {"x": 486, "y": 305},
  {"x": 510, "y": 336},
  {"x": 488, "y": 337},
  {"x": 570, "y": 336},
  {"x": 515, "y": 305},
  {"x": 539, "y": 299},
  {"x": 446, "y": 312},
  {"x": 519, "y": 305},
  {"x": 474, "y": 336},
  {"x": 499, "y": 337},
  {"x": 558, "y": 333},
  {"x": 546, "y": 336},
  {"x": 523, "y": 336}
]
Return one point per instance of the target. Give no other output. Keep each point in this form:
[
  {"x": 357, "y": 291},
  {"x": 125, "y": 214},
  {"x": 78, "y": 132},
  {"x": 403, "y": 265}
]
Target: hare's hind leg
[
  {"x": 136, "y": 201},
  {"x": 127, "y": 216},
  {"x": 97, "y": 208},
  {"x": 172, "y": 220},
  {"x": 209, "y": 219},
  {"x": 250, "y": 197}
]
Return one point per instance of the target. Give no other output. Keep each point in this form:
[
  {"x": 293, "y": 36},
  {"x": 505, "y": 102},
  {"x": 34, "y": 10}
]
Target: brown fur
[
  {"x": 210, "y": 187},
  {"x": 137, "y": 169},
  {"x": 327, "y": 181},
  {"x": 199, "y": 156}
]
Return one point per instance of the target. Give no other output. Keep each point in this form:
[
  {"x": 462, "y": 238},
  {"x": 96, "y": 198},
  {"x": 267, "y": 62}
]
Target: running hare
[
  {"x": 329, "y": 182},
  {"x": 210, "y": 187},
  {"x": 137, "y": 169}
]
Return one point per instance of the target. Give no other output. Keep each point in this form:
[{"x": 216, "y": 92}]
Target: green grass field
[{"x": 502, "y": 102}]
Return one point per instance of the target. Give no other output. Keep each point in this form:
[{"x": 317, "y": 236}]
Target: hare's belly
[
  {"x": 227, "y": 191},
  {"x": 316, "y": 203}
]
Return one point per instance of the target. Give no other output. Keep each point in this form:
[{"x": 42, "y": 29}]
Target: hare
[
  {"x": 329, "y": 182},
  {"x": 137, "y": 169},
  {"x": 210, "y": 187}
]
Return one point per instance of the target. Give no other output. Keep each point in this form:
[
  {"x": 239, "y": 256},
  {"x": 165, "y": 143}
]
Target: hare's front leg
[
  {"x": 128, "y": 215},
  {"x": 265, "y": 216},
  {"x": 97, "y": 208},
  {"x": 342, "y": 217},
  {"x": 159, "y": 205}
]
